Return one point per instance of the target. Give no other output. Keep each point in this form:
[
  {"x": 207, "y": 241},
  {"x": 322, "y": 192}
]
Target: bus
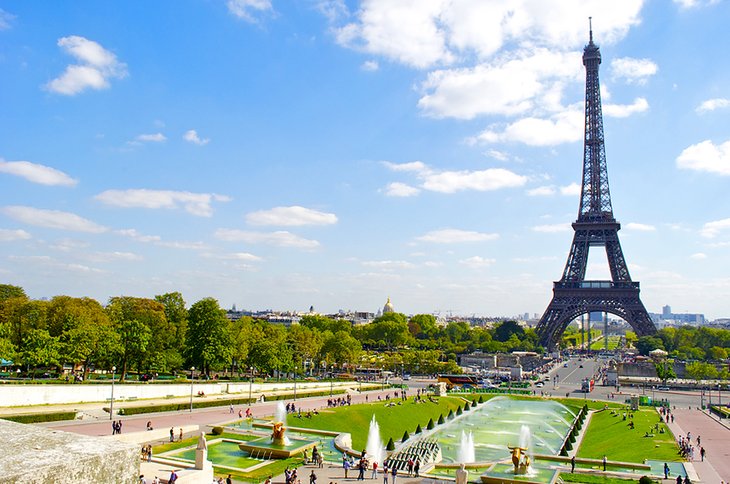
[
  {"x": 459, "y": 380},
  {"x": 372, "y": 374},
  {"x": 587, "y": 385}
]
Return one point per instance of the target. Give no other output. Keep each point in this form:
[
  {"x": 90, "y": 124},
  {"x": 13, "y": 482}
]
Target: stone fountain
[{"x": 374, "y": 448}]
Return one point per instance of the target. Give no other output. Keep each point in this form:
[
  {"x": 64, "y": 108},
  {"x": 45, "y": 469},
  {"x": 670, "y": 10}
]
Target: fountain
[
  {"x": 465, "y": 454},
  {"x": 280, "y": 413},
  {"x": 374, "y": 448},
  {"x": 520, "y": 457}
]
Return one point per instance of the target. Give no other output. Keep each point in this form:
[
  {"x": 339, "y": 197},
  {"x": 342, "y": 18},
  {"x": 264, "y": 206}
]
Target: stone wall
[{"x": 35, "y": 455}]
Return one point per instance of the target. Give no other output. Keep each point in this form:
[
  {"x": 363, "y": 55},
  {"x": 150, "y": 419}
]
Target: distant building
[{"x": 388, "y": 308}]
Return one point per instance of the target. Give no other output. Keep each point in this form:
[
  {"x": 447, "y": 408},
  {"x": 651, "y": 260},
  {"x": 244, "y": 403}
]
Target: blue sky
[{"x": 280, "y": 154}]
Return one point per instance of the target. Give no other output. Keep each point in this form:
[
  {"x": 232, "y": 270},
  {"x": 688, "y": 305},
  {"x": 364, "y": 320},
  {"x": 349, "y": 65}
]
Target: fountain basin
[{"x": 265, "y": 448}]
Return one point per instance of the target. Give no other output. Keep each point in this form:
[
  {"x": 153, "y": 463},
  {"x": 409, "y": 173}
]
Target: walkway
[{"x": 714, "y": 437}]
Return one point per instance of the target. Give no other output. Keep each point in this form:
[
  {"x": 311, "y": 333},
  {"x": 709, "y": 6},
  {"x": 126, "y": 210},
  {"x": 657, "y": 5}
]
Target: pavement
[{"x": 714, "y": 437}]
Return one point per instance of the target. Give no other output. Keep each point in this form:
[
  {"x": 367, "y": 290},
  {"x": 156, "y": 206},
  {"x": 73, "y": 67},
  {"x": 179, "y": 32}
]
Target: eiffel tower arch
[{"x": 596, "y": 226}]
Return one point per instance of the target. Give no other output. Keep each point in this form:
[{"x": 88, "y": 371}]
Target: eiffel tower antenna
[{"x": 574, "y": 296}]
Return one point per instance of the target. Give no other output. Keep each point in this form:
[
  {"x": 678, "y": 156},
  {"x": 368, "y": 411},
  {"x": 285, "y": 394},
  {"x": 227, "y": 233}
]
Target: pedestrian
[
  {"x": 698, "y": 440},
  {"x": 702, "y": 452},
  {"x": 572, "y": 464},
  {"x": 361, "y": 470},
  {"x": 181, "y": 433},
  {"x": 172, "y": 434},
  {"x": 142, "y": 480},
  {"x": 679, "y": 479},
  {"x": 173, "y": 477},
  {"x": 346, "y": 466},
  {"x": 385, "y": 473},
  {"x": 119, "y": 426},
  {"x": 374, "y": 475},
  {"x": 686, "y": 479},
  {"x": 149, "y": 452},
  {"x": 114, "y": 427},
  {"x": 312, "y": 477},
  {"x": 230, "y": 408},
  {"x": 393, "y": 474},
  {"x": 229, "y": 480},
  {"x": 666, "y": 471},
  {"x": 604, "y": 463},
  {"x": 417, "y": 466}
]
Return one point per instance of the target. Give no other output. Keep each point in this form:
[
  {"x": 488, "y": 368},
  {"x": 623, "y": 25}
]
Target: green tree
[
  {"x": 243, "y": 334},
  {"x": 8, "y": 291},
  {"x": 665, "y": 370},
  {"x": 507, "y": 329},
  {"x": 134, "y": 336},
  {"x": 208, "y": 338},
  {"x": 177, "y": 316},
  {"x": 699, "y": 370},
  {"x": 340, "y": 348},
  {"x": 718, "y": 353},
  {"x": 39, "y": 349},
  {"x": 270, "y": 353},
  {"x": 306, "y": 343},
  {"x": 390, "y": 330},
  {"x": 647, "y": 344},
  {"x": 423, "y": 326}
]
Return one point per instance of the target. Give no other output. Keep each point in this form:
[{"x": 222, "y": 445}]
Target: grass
[
  {"x": 613, "y": 341},
  {"x": 592, "y": 479},
  {"x": 393, "y": 421},
  {"x": 611, "y": 436}
]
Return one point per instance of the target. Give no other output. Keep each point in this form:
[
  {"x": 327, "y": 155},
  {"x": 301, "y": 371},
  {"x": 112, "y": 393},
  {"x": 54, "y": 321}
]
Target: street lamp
[
  {"x": 250, "y": 383},
  {"x": 332, "y": 378},
  {"x": 111, "y": 402},
  {"x": 295, "y": 383},
  {"x": 192, "y": 379}
]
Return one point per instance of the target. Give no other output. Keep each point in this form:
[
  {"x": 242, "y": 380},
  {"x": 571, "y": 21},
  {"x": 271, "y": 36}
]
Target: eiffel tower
[{"x": 595, "y": 226}]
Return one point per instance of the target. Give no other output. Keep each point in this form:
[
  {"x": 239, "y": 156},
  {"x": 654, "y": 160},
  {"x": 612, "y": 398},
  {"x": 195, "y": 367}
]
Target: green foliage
[
  {"x": 41, "y": 417},
  {"x": 466, "y": 407},
  {"x": 418, "y": 429},
  {"x": 646, "y": 480},
  {"x": 217, "y": 430},
  {"x": 647, "y": 344},
  {"x": 701, "y": 371},
  {"x": 481, "y": 399},
  {"x": 8, "y": 291},
  {"x": 391, "y": 445},
  {"x": 459, "y": 411},
  {"x": 430, "y": 424},
  {"x": 208, "y": 338},
  {"x": 474, "y": 402},
  {"x": 441, "y": 420},
  {"x": 405, "y": 436},
  {"x": 450, "y": 416},
  {"x": 665, "y": 370}
]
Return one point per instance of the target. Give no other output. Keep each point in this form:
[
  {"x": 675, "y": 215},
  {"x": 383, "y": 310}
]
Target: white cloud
[
  {"x": 552, "y": 228},
  {"x": 712, "y": 104},
  {"x": 152, "y": 138},
  {"x": 333, "y": 9},
  {"x": 687, "y": 4},
  {"x": 417, "y": 166},
  {"x": 712, "y": 229},
  {"x": 279, "y": 238},
  {"x": 248, "y": 9},
  {"x": 54, "y": 219},
  {"x": 455, "y": 236},
  {"x": 194, "y": 203},
  {"x": 192, "y": 137},
  {"x": 637, "y": 227},
  {"x": 570, "y": 190},
  {"x": 33, "y": 172},
  {"x": 698, "y": 256},
  {"x": 706, "y": 156},
  {"x": 388, "y": 265},
  {"x": 182, "y": 245},
  {"x": 236, "y": 256},
  {"x": 397, "y": 189},
  {"x": 97, "y": 65},
  {"x": 135, "y": 235},
  {"x": 541, "y": 191},
  {"x": 67, "y": 245},
  {"x": 113, "y": 256},
  {"x": 455, "y": 181},
  {"x": 291, "y": 217},
  {"x": 498, "y": 155},
  {"x": 370, "y": 66},
  {"x": 5, "y": 19},
  {"x": 424, "y": 33},
  {"x": 562, "y": 127},
  {"x": 477, "y": 262},
  {"x": 633, "y": 70},
  {"x": 8, "y": 235},
  {"x": 639, "y": 105}
]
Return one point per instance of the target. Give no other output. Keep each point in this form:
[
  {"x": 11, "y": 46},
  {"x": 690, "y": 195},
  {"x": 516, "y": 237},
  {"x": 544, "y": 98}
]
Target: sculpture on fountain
[
  {"x": 520, "y": 459},
  {"x": 277, "y": 436},
  {"x": 462, "y": 475}
]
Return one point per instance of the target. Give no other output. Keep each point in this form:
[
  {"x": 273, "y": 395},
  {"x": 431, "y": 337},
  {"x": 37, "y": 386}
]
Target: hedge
[
  {"x": 41, "y": 417},
  {"x": 176, "y": 407}
]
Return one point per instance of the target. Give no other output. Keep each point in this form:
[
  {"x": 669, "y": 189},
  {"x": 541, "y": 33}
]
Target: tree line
[{"x": 163, "y": 335}]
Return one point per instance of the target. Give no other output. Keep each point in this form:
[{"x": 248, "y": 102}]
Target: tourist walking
[
  {"x": 361, "y": 469},
  {"x": 393, "y": 474},
  {"x": 172, "y": 434},
  {"x": 345, "y": 465},
  {"x": 572, "y": 464},
  {"x": 702, "y": 452},
  {"x": 374, "y": 475},
  {"x": 385, "y": 473},
  {"x": 181, "y": 434},
  {"x": 417, "y": 466},
  {"x": 604, "y": 463},
  {"x": 666, "y": 471},
  {"x": 312, "y": 477}
]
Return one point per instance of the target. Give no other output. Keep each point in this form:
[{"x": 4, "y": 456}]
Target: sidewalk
[{"x": 715, "y": 438}]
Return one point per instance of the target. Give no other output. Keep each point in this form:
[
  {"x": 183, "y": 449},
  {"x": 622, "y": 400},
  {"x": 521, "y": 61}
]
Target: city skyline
[{"x": 285, "y": 154}]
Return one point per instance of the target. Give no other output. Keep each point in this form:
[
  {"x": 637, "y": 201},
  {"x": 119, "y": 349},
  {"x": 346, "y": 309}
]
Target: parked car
[
  {"x": 663, "y": 389},
  {"x": 539, "y": 384}
]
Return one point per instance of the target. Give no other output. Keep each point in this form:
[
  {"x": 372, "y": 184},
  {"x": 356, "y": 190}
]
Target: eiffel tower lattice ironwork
[{"x": 595, "y": 226}]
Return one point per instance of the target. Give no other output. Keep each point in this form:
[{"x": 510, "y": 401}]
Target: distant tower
[
  {"x": 388, "y": 308},
  {"x": 573, "y": 296},
  {"x": 667, "y": 312}
]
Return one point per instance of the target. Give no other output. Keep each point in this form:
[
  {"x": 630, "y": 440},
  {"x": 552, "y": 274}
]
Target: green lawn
[
  {"x": 592, "y": 479},
  {"x": 611, "y": 436},
  {"x": 393, "y": 421},
  {"x": 613, "y": 341}
]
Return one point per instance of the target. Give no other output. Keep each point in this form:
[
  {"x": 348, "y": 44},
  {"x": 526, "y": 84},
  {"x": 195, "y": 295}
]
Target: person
[
  {"x": 604, "y": 463},
  {"x": 173, "y": 477},
  {"x": 679, "y": 479},
  {"x": 686, "y": 479},
  {"x": 374, "y": 475},
  {"x": 346, "y": 466},
  {"x": 702, "y": 452},
  {"x": 385, "y": 473},
  {"x": 361, "y": 469},
  {"x": 172, "y": 434},
  {"x": 417, "y": 466},
  {"x": 393, "y": 474},
  {"x": 312, "y": 477},
  {"x": 410, "y": 467},
  {"x": 572, "y": 464},
  {"x": 230, "y": 408},
  {"x": 156, "y": 480},
  {"x": 114, "y": 427},
  {"x": 229, "y": 480},
  {"x": 149, "y": 452},
  {"x": 181, "y": 433},
  {"x": 149, "y": 425},
  {"x": 315, "y": 455},
  {"x": 666, "y": 471},
  {"x": 320, "y": 461},
  {"x": 142, "y": 480},
  {"x": 306, "y": 457}
]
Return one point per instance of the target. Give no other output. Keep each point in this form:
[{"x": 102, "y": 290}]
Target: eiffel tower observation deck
[{"x": 574, "y": 296}]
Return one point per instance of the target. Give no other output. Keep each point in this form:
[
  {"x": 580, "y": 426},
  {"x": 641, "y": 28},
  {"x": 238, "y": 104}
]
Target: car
[
  {"x": 663, "y": 389},
  {"x": 406, "y": 376},
  {"x": 565, "y": 365},
  {"x": 539, "y": 384},
  {"x": 580, "y": 366}
]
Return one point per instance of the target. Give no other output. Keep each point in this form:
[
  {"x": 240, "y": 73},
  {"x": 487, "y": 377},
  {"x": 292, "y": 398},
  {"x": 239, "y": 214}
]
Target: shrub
[
  {"x": 481, "y": 398},
  {"x": 646, "y": 480},
  {"x": 217, "y": 430},
  {"x": 418, "y": 429},
  {"x": 568, "y": 446},
  {"x": 41, "y": 417},
  {"x": 466, "y": 407},
  {"x": 564, "y": 452},
  {"x": 474, "y": 402},
  {"x": 430, "y": 424},
  {"x": 450, "y": 415},
  {"x": 405, "y": 436},
  {"x": 391, "y": 445},
  {"x": 459, "y": 411},
  {"x": 441, "y": 420}
]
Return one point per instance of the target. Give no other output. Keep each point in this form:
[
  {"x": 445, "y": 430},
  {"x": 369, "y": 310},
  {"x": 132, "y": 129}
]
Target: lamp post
[
  {"x": 192, "y": 379},
  {"x": 111, "y": 402},
  {"x": 382, "y": 376},
  {"x": 295, "y": 383},
  {"x": 250, "y": 383},
  {"x": 332, "y": 379},
  {"x": 719, "y": 395}
]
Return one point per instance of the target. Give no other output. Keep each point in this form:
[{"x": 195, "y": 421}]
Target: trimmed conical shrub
[
  {"x": 466, "y": 407},
  {"x": 568, "y": 446},
  {"x": 481, "y": 398},
  {"x": 405, "y": 436},
  {"x": 450, "y": 415},
  {"x": 459, "y": 411},
  {"x": 441, "y": 419},
  {"x": 391, "y": 445},
  {"x": 430, "y": 424},
  {"x": 564, "y": 453},
  {"x": 571, "y": 439},
  {"x": 474, "y": 402},
  {"x": 418, "y": 429}
]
